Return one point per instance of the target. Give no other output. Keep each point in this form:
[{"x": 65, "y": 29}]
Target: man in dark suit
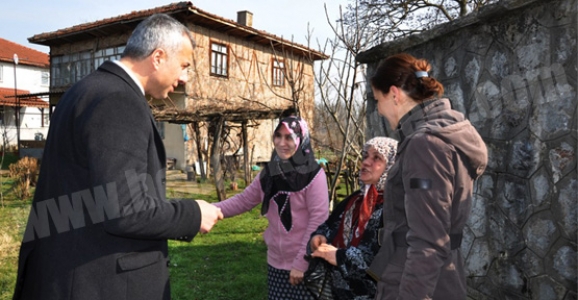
[{"x": 99, "y": 221}]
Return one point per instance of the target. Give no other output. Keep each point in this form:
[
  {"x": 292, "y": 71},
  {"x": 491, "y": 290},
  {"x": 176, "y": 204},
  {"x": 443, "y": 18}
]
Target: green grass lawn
[
  {"x": 9, "y": 158},
  {"x": 227, "y": 263},
  {"x": 13, "y": 216}
]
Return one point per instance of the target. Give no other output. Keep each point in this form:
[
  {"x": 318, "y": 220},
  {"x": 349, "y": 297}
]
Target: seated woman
[{"x": 348, "y": 239}]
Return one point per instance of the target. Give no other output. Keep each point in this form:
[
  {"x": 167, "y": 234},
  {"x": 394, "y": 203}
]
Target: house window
[
  {"x": 103, "y": 55},
  {"x": 219, "y": 59},
  {"x": 70, "y": 68},
  {"x": 1, "y": 73},
  {"x": 2, "y": 122},
  {"x": 45, "y": 78},
  {"x": 278, "y": 72}
]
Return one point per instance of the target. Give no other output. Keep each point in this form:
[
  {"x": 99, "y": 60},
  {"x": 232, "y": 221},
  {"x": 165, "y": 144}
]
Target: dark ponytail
[{"x": 408, "y": 73}]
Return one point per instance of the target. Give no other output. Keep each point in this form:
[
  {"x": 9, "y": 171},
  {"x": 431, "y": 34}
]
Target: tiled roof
[
  {"x": 7, "y": 98},
  {"x": 181, "y": 11},
  {"x": 142, "y": 14},
  {"x": 26, "y": 56}
]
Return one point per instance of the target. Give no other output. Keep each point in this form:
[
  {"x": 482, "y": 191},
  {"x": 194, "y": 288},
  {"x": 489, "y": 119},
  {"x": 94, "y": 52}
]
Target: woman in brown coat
[{"x": 428, "y": 193}]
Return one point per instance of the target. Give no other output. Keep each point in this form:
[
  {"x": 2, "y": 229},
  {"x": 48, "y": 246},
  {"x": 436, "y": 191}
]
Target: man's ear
[{"x": 158, "y": 57}]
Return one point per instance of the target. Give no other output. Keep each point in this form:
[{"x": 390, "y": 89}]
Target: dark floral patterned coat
[{"x": 350, "y": 280}]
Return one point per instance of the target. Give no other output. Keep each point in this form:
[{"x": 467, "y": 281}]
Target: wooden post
[{"x": 246, "y": 163}]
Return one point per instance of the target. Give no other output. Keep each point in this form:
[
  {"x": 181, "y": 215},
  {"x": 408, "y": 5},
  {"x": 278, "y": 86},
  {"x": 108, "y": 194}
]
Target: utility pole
[{"x": 17, "y": 111}]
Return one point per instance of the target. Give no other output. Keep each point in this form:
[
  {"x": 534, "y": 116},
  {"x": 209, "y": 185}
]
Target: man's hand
[
  {"x": 210, "y": 215},
  {"x": 316, "y": 241}
]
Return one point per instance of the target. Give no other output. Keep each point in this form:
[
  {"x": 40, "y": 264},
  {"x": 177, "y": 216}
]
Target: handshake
[{"x": 210, "y": 215}]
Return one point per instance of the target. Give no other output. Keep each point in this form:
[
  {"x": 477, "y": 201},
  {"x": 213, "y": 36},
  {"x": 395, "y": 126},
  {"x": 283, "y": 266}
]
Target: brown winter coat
[{"x": 428, "y": 200}]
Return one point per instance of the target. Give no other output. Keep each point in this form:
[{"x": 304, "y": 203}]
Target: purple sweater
[{"x": 309, "y": 209}]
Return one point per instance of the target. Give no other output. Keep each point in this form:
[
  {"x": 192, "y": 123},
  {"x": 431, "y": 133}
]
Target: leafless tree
[
  {"x": 217, "y": 127},
  {"x": 341, "y": 92},
  {"x": 340, "y": 114},
  {"x": 398, "y": 18},
  {"x": 292, "y": 68},
  {"x": 292, "y": 73},
  {"x": 195, "y": 127},
  {"x": 4, "y": 148}
]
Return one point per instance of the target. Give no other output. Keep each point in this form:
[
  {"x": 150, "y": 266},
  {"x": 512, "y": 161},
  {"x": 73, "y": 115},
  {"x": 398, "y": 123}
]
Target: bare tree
[
  {"x": 216, "y": 130},
  {"x": 4, "y": 148},
  {"x": 340, "y": 82},
  {"x": 340, "y": 114},
  {"x": 291, "y": 66},
  {"x": 292, "y": 69},
  {"x": 226, "y": 112},
  {"x": 195, "y": 127},
  {"x": 398, "y": 18}
]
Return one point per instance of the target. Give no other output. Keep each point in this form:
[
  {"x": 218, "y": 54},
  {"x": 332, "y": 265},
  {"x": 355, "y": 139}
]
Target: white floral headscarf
[{"x": 387, "y": 147}]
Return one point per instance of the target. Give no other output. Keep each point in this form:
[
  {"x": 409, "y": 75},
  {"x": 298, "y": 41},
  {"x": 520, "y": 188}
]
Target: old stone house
[
  {"x": 511, "y": 68},
  {"x": 242, "y": 80}
]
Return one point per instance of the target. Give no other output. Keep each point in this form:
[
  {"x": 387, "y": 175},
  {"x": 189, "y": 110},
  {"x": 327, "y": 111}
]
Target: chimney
[{"x": 245, "y": 17}]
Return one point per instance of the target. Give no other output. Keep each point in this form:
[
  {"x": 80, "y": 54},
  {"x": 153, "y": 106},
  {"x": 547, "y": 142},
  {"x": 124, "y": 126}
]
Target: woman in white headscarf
[{"x": 348, "y": 239}]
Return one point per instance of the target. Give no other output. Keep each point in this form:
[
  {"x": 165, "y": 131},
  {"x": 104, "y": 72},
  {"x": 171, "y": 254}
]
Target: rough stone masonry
[{"x": 512, "y": 69}]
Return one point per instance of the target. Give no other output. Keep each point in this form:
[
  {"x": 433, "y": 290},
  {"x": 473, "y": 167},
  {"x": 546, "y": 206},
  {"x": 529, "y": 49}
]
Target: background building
[
  {"x": 31, "y": 76},
  {"x": 241, "y": 82}
]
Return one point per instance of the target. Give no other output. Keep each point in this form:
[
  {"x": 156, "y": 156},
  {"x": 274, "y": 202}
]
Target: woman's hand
[
  {"x": 295, "y": 277},
  {"x": 316, "y": 241},
  {"x": 327, "y": 252}
]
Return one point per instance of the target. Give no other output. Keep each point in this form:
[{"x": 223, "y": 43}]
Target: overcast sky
[{"x": 21, "y": 19}]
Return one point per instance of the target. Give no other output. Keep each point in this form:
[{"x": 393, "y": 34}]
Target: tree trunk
[
  {"x": 199, "y": 150},
  {"x": 217, "y": 126}
]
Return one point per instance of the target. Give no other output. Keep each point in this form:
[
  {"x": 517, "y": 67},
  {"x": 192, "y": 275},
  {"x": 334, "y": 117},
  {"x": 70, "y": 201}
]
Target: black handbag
[{"x": 318, "y": 279}]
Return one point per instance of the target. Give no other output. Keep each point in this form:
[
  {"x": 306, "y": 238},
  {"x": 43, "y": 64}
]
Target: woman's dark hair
[{"x": 400, "y": 70}]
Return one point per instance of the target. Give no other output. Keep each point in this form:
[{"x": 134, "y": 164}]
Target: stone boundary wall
[{"x": 512, "y": 69}]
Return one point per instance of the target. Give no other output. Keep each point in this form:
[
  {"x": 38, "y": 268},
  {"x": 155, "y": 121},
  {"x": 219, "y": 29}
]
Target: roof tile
[
  {"x": 7, "y": 99},
  {"x": 26, "y": 56}
]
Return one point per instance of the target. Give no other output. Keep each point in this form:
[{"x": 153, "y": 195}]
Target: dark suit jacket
[{"x": 99, "y": 221}]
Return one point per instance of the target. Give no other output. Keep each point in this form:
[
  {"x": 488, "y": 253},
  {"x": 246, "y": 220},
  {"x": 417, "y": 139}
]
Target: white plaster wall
[{"x": 27, "y": 78}]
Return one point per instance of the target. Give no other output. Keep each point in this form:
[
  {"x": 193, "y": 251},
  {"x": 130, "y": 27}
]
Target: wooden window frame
[
  {"x": 222, "y": 57},
  {"x": 278, "y": 72}
]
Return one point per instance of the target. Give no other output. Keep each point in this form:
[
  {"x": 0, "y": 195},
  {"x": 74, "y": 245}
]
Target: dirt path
[{"x": 178, "y": 182}]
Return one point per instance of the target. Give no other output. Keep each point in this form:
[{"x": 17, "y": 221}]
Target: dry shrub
[
  {"x": 234, "y": 186},
  {"x": 24, "y": 171}
]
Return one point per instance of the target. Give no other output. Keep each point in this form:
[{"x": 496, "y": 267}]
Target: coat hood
[{"x": 438, "y": 119}]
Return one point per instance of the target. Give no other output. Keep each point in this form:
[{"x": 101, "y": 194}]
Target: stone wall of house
[
  {"x": 249, "y": 85},
  {"x": 247, "y": 88},
  {"x": 512, "y": 69}
]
